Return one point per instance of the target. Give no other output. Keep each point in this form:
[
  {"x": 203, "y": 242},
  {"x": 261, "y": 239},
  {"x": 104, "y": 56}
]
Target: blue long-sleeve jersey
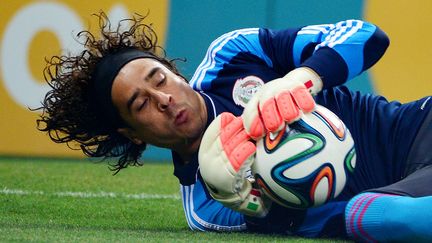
[{"x": 240, "y": 62}]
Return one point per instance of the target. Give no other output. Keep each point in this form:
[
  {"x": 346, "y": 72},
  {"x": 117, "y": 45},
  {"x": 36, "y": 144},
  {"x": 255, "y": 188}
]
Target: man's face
[{"x": 158, "y": 105}]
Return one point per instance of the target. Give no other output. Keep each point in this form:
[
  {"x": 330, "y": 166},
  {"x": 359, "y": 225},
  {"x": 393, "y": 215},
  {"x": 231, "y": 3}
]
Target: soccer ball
[{"x": 307, "y": 163}]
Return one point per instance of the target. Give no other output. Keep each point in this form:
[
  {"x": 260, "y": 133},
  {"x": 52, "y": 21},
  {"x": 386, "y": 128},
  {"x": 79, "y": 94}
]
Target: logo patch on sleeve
[{"x": 245, "y": 88}]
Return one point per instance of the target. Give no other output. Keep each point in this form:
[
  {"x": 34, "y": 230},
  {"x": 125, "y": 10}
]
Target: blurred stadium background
[{"x": 33, "y": 30}]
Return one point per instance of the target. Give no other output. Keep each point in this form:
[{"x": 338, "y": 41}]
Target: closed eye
[
  {"x": 161, "y": 81},
  {"x": 143, "y": 104}
]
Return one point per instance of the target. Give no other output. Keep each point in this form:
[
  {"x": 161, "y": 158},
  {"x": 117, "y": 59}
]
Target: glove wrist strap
[{"x": 308, "y": 77}]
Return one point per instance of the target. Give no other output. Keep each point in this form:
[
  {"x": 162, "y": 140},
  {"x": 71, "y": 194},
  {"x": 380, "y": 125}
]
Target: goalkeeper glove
[
  {"x": 224, "y": 156},
  {"x": 281, "y": 100}
]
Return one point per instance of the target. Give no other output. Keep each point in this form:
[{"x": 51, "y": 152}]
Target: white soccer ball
[{"x": 307, "y": 163}]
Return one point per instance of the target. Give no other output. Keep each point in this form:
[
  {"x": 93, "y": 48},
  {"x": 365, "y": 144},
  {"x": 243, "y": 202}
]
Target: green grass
[{"x": 80, "y": 201}]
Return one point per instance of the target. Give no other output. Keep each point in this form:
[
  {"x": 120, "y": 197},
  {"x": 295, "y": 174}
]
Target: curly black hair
[{"x": 68, "y": 115}]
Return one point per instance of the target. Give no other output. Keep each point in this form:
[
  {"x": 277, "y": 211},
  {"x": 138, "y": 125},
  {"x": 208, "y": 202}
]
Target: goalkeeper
[{"x": 119, "y": 94}]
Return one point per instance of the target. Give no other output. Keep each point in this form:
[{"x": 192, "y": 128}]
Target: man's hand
[
  {"x": 281, "y": 100},
  {"x": 224, "y": 156}
]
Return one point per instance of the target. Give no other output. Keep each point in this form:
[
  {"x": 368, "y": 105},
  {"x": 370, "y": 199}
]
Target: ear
[{"x": 130, "y": 134}]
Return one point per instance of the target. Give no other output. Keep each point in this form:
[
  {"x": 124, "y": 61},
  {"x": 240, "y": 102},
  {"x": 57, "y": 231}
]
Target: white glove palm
[{"x": 224, "y": 156}]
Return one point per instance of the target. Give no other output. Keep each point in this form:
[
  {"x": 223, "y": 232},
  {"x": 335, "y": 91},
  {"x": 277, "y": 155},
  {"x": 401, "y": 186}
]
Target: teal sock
[{"x": 375, "y": 217}]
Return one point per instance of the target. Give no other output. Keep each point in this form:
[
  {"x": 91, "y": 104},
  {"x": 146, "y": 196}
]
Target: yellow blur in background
[
  {"x": 404, "y": 73},
  {"x": 44, "y": 29}
]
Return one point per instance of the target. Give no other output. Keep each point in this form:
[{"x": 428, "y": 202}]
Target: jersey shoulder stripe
[
  {"x": 222, "y": 50},
  {"x": 344, "y": 31},
  {"x": 347, "y": 38}
]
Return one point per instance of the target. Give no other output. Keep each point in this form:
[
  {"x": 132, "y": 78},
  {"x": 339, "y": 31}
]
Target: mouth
[{"x": 181, "y": 118}]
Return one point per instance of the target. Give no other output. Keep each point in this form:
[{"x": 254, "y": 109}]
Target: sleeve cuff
[{"x": 329, "y": 65}]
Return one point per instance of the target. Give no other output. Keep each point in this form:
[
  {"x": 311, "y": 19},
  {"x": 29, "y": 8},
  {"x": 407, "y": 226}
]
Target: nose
[{"x": 163, "y": 100}]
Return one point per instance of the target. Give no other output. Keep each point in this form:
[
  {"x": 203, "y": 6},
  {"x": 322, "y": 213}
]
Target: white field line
[{"x": 101, "y": 194}]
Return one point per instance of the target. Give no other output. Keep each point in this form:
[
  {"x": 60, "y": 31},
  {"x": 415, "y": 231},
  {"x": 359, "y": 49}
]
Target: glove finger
[
  {"x": 287, "y": 107},
  {"x": 230, "y": 129},
  {"x": 241, "y": 153},
  {"x": 237, "y": 139},
  {"x": 270, "y": 115},
  {"x": 226, "y": 118},
  {"x": 282, "y": 107},
  {"x": 269, "y": 111},
  {"x": 214, "y": 131},
  {"x": 303, "y": 98},
  {"x": 252, "y": 123}
]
